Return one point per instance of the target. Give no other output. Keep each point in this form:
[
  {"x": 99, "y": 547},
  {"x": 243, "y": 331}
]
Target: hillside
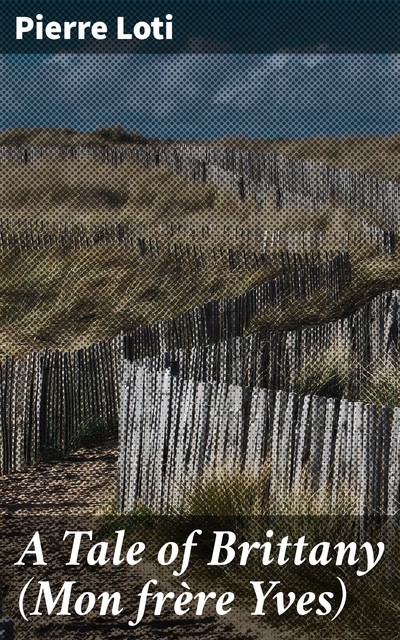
[
  {"x": 64, "y": 136},
  {"x": 378, "y": 155},
  {"x": 65, "y": 296},
  {"x": 258, "y": 370}
]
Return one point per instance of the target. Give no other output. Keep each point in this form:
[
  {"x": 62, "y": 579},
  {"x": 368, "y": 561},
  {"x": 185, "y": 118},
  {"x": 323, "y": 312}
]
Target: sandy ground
[{"x": 54, "y": 497}]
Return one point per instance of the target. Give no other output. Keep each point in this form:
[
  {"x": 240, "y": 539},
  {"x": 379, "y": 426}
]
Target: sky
[{"x": 284, "y": 95}]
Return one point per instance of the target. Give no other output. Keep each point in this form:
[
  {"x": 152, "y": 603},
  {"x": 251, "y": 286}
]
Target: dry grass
[
  {"x": 66, "y": 137},
  {"x": 330, "y": 373},
  {"x": 231, "y": 493},
  {"x": 90, "y": 192},
  {"x": 67, "y": 299},
  {"x": 64, "y": 300},
  {"x": 376, "y": 155},
  {"x": 60, "y": 299},
  {"x": 383, "y": 386},
  {"x": 371, "y": 275}
]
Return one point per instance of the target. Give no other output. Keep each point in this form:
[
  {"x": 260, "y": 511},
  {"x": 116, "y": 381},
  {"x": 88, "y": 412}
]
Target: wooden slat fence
[
  {"x": 369, "y": 337},
  {"x": 173, "y": 432},
  {"x": 46, "y": 399},
  {"x": 269, "y": 179},
  {"x": 251, "y": 246},
  {"x": 224, "y": 318},
  {"x": 20, "y": 234},
  {"x": 247, "y": 171}
]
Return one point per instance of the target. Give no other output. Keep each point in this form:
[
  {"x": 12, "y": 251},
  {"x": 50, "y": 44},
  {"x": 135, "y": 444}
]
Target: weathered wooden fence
[
  {"x": 302, "y": 182},
  {"x": 369, "y": 336},
  {"x": 20, "y": 234},
  {"x": 203, "y": 241},
  {"x": 175, "y": 431},
  {"x": 269, "y": 179},
  {"x": 279, "y": 180},
  {"x": 178, "y": 424},
  {"x": 224, "y": 318},
  {"x": 46, "y": 399}
]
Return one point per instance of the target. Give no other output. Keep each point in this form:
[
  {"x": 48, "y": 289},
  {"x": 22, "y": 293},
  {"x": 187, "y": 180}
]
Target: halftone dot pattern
[{"x": 199, "y": 286}]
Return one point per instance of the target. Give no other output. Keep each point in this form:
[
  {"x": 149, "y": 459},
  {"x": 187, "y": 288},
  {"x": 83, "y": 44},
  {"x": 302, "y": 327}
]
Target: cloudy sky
[{"x": 200, "y": 96}]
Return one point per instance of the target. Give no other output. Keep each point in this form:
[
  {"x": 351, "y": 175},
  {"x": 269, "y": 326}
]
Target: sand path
[{"x": 53, "y": 497}]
